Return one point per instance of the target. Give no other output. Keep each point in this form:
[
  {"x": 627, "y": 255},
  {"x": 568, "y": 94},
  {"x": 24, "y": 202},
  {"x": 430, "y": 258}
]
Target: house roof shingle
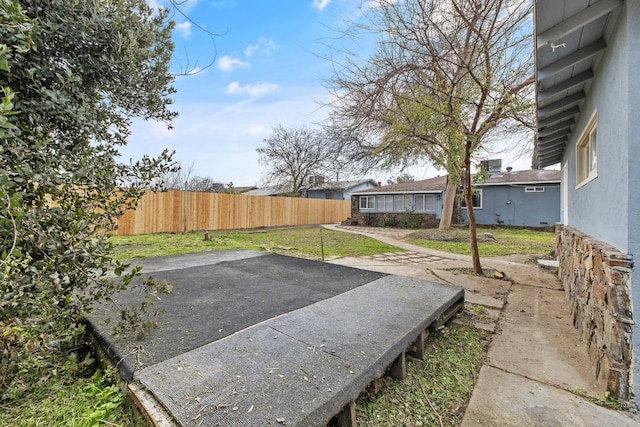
[
  {"x": 439, "y": 183},
  {"x": 340, "y": 185},
  {"x": 430, "y": 185}
]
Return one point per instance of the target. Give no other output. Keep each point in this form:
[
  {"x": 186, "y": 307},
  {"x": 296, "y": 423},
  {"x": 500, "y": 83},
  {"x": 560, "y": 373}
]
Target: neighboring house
[
  {"x": 588, "y": 105},
  {"x": 341, "y": 190},
  {"x": 242, "y": 190},
  {"x": 318, "y": 189},
  {"x": 524, "y": 198},
  {"x": 528, "y": 198},
  {"x": 388, "y": 205},
  {"x": 267, "y": 191}
]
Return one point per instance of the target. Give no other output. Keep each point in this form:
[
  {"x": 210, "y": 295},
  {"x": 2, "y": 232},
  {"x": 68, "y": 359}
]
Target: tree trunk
[
  {"x": 447, "y": 204},
  {"x": 475, "y": 255}
]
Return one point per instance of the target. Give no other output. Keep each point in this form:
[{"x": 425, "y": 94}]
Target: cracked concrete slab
[
  {"x": 511, "y": 400},
  {"x": 548, "y": 349}
]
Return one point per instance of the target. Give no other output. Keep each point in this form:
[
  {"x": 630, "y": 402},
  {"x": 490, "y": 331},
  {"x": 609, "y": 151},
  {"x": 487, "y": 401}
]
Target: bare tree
[
  {"x": 447, "y": 77},
  {"x": 293, "y": 155},
  {"x": 183, "y": 179}
]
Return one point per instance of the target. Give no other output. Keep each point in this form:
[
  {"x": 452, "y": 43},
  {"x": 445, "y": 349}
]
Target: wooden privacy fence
[{"x": 179, "y": 211}]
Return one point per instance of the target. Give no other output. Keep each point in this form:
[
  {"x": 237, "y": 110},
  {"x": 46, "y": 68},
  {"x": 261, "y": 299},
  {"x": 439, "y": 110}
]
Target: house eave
[
  {"x": 380, "y": 193},
  {"x": 518, "y": 183},
  {"x": 570, "y": 39}
]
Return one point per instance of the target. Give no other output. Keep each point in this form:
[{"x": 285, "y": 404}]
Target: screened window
[
  {"x": 402, "y": 203},
  {"x": 586, "y": 153},
  {"x": 424, "y": 203},
  {"x": 384, "y": 203},
  {"x": 367, "y": 202},
  {"x": 476, "y": 198}
]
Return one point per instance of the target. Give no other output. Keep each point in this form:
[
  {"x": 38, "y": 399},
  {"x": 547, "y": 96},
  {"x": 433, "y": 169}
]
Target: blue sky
[{"x": 268, "y": 71}]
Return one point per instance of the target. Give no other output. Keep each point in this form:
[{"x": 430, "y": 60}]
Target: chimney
[{"x": 379, "y": 184}]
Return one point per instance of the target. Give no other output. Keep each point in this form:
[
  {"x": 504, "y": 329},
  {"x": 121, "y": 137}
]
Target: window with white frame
[
  {"x": 534, "y": 189},
  {"x": 367, "y": 202},
  {"x": 586, "y": 153},
  {"x": 476, "y": 199},
  {"x": 424, "y": 202}
]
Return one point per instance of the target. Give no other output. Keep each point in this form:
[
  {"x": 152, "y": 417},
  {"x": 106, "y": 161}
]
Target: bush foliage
[{"x": 73, "y": 74}]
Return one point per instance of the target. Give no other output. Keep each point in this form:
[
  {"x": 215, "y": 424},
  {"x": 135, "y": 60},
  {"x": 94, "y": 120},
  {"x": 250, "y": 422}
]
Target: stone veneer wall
[
  {"x": 381, "y": 219},
  {"x": 597, "y": 282}
]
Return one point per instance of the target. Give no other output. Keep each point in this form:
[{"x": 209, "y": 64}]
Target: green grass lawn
[
  {"x": 304, "y": 242},
  {"x": 504, "y": 241}
]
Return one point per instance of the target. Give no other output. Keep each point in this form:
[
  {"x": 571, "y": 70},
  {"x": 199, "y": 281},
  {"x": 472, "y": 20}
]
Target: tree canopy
[
  {"x": 73, "y": 75},
  {"x": 293, "y": 155},
  {"x": 445, "y": 79}
]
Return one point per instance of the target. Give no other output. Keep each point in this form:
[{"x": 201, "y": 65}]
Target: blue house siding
[
  {"x": 632, "y": 30},
  {"x": 601, "y": 232},
  {"x": 513, "y": 205},
  {"x": 600, "y": 208}
]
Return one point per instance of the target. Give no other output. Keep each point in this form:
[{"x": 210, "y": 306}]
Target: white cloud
[
  {"x": 228, "y": 63},
  {"x": 184, "y": 29},
  {"x": 321, "y": 4},
  {"x": 251, "y": 49},
  {"x": 254, "y": 91},
  {"x": 264, "y": 45}
]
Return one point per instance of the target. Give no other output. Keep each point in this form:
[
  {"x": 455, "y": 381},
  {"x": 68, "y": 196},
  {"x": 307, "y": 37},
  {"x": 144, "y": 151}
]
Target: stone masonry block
[{"x": 596, "y": 281}]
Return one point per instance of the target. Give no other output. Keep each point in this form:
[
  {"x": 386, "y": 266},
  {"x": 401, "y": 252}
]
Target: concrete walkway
[{"x": 536, "y": 368}]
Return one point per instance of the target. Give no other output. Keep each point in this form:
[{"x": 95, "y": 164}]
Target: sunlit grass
[
  {"x": 503, "y": 241},
  {"x": 305, "y": 242}
]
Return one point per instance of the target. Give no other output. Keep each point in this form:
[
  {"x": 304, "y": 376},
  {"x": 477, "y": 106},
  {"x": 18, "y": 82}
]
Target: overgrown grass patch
[
  {"x": 65, "y": 401},
  {"x": 437, "y": 389},
  {"x": 492, "y": 242},
  {"x": 302, "y": 242}
]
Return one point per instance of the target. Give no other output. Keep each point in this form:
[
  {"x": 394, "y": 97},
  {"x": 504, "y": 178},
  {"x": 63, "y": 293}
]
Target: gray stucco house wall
[
  {"x": 517, "y": 198},
  {"x": 532, "y": 205},
  {"x": 592, "y": 206},
  {"x": 599, "y": 234}
]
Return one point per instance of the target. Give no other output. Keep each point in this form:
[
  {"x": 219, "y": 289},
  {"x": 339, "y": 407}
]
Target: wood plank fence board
[{"x": 179, "y": 211}]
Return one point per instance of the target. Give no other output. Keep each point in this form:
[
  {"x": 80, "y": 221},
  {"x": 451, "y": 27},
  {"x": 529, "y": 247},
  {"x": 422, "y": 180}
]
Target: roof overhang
[
  {"x": 517, "y": 184},
  {"x": 387, "y": 193},
  {"x": 570, "y": 37}
]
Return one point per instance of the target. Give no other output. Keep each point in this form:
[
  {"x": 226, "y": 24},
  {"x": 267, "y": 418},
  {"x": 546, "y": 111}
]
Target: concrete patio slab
[
  {"x": 215, "y": 295},
  {"x": 255, "y": 339},
  {"x": 303, "y": 367}
]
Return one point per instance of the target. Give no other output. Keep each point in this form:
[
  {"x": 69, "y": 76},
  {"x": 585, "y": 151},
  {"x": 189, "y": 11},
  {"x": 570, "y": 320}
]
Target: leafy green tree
[
  {"x": 446, "y": 78},
  {"x": 73, "y": 75}
]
